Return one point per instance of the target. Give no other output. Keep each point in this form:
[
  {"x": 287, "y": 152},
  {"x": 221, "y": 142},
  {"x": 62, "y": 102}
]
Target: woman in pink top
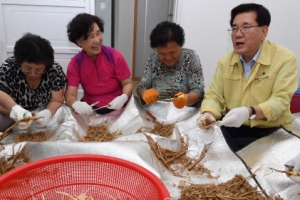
[{"x": 101, "y": 70}]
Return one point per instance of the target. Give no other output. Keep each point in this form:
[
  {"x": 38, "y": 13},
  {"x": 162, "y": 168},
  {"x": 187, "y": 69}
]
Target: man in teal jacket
[{"x": 253, "y": 85}]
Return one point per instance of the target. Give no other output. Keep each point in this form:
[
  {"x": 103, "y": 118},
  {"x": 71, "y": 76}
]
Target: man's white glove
[
  {"x": 118, "y": 102},
  {"x": 205, "y": 120},
  {"x": 45, "y": 117},
  {"x": 294, "y": 166},
  {"x": 235, "y": 117},
  {"x": 18, "y": 113},
  {"x": 82, "y": 107}
]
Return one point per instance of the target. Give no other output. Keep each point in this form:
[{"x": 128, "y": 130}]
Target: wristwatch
[{"x": 253, "y": 113}]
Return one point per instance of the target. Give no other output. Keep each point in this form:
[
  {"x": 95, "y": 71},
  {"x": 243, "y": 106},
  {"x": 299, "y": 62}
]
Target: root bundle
[
  {"x": 288, "y": 173},
  {"x": 99, "y": 133},
  {"x": 236, "y": 188},
  {"x": 15, "y": 160},
  {"x": 26, "y": 119},
  {"x": 165, "y": 155},
  {"x": 169, "y": 158},
  {"x": 32, "y": 137},
  {"x": 162, "y": 129}
]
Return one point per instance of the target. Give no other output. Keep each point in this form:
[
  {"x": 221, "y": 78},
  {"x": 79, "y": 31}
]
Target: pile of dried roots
[
  {"x": 162, "y": 129},
  {"x": 236, "y": 188},
  {"x": 32, "y": 137},
  {"x": 15, "y": 160},
  {"x": 170, "y": 158},
  {"x": 99, "y": 133},
  {"x": 194, "y": 165}
]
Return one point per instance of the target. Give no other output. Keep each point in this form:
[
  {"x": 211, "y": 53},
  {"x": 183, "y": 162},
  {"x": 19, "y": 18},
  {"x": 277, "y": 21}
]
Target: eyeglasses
[
  {"x": 34, "y": 72},
  {"x": 243, "y": 29}
]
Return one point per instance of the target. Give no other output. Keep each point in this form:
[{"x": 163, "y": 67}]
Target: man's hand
[
  {"x": 150, "y": 96},
  {"x": 293, "y": 165},
  {"x": 235, "y": 117},
  {"x": 44, "y": 116},
  {"x": 118, "y": 102},
  {"x": 205, "y": 120},
  {"x": 17, "y": 113},
  {"x": 179, "y": 100},
  {"x": 82, "y": 108}
]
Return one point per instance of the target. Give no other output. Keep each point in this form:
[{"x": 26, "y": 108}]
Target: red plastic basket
[
  {"x": 100, "y": 177},
  {"x": 295, "y": 104}
]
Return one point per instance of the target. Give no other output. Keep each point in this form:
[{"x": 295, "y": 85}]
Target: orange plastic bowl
[{"x": 99, "y": 177}]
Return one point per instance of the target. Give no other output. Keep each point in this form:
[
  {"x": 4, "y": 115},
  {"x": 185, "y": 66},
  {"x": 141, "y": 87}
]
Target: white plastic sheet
[{"x": 132, "y": 145}]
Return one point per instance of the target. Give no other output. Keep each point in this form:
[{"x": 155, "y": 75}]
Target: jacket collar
[{"x": 264, "y": 58}]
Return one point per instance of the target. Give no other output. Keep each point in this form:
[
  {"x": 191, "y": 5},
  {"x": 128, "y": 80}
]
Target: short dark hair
[
  {"x": 81, "y": 25},
  {"x": 34, "y": 49},
  {"x": 165, "y": 32},
  {"x": 263, "y": 17}
]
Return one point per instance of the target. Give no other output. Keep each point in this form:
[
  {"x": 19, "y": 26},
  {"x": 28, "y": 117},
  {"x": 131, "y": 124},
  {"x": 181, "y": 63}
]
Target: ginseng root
[
  {"x": 26, "y": 119},
  {"x": 99, "y": 133}
]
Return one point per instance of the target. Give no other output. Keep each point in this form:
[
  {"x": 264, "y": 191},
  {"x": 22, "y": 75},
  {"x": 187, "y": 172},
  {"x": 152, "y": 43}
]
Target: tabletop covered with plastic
[{"x": 133, "y": 125}]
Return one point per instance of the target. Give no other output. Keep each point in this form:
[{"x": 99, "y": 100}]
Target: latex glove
[
  {"x": 294, "y": 166},
  {"x": 205, "y": 120},
  {"x": 118, "y": 102},
  {"x": 46, "y": 115},
  {"x": 18, "y": 113},
  {"x": 180, "y": 102},
  {"x": 150, "y": 96},
  {"x": 235, "y": 117},
  {"x": 82, "y": 107}
]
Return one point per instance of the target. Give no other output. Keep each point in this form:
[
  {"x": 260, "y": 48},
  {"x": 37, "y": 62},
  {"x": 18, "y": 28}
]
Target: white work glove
[
  {"x": 18, "y": 113},
  {"x": 82, "y": 107},
  {"x": 45, "y": 117},
  {"x": 118, "y": 102},
  {"x": 235, "y": 117},
  {"x": 294, "y": 166},
  {"x": 205, "y": 120}
]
